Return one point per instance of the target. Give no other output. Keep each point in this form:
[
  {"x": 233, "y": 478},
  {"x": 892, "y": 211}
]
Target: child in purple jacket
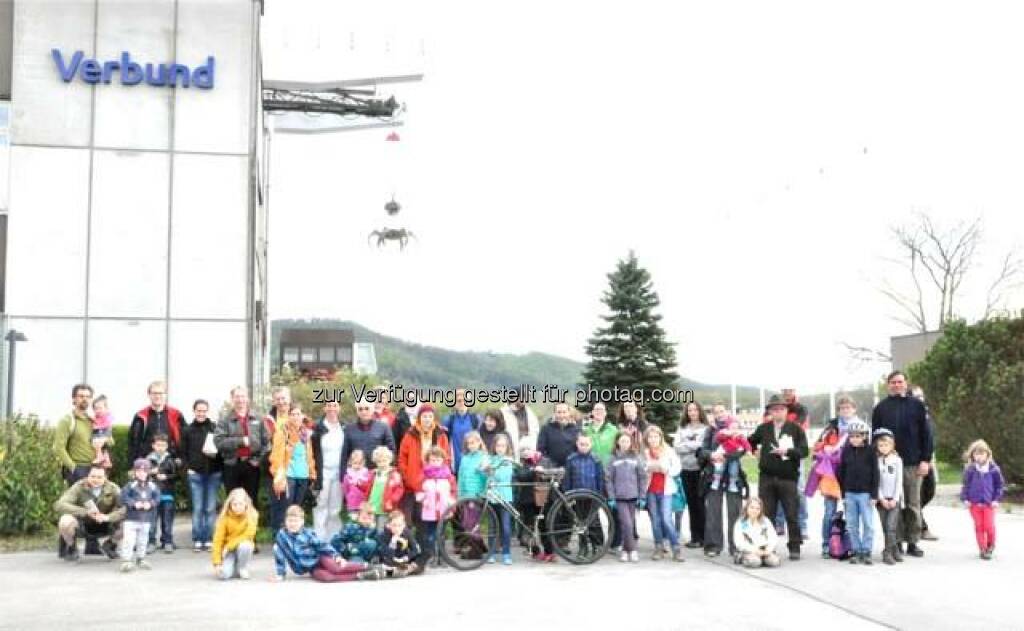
[{"x": 981, "y": 492}]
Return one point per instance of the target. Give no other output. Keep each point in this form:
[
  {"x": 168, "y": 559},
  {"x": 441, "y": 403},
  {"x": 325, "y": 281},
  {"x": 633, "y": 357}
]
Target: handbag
[{"x": 209, "y": 447}]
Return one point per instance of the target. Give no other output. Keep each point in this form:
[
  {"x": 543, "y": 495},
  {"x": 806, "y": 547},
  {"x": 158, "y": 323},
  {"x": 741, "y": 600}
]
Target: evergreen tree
[{"x": 631, "y": 352}]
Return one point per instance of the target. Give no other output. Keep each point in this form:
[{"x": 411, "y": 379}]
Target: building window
[
  {"x": 326, "y": 354},
  {"x": 344, "y": 355},
  {"x": 291, "y": 354},
  {"x": 308, "y": 355},
  {"x": 6, "y": 47}
]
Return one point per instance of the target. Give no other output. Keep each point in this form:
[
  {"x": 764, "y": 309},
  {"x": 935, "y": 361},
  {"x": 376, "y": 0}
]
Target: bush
[
  {"x": 974, "y": 382},
  {"x": 29, "y": 476}
]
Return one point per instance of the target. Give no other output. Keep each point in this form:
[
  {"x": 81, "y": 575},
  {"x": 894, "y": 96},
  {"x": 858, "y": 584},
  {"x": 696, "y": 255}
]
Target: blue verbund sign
[{"x": 129, "y": 72}]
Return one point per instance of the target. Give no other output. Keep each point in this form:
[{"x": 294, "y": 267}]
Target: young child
[
  {"x": 357, "y": 539},
  {"x": 730, "y": 440},
  {"x": 584, "y": 471},
  {"x": 297, "y": 547},
  {"x": 437, "y": 496},
  {"x": 471, "y": 476},
  {"x": 356, "y": 483},
  {"x": 890, "y": 494},
  {"x": 627, "y": 483},
  {"x": 501, "y": 467},
  {"x": 400, "y": 554},
  {"x": 140, "y": 497},
  {"x": 386, "y": 489},
  {"x": 982, "y": 489},
  {"x": 755, "y": 537},
  {"x": 663, "y": 465},
  {"x": 234, "y": 536},
  {"x": 166, "y": 468},
  {"x": 102, "y": 431},
  {"x": 858, "y": 482}
]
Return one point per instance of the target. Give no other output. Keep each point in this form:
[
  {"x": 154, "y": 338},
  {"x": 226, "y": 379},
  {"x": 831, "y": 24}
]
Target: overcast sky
[{"x": 752, "y": 154}]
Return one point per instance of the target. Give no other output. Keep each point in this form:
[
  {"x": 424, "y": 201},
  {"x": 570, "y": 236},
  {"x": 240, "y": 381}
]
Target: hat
[
  {"x": 858, "y": 426},
  {"x": 882, "y": 432},
  {"x": 426, "y": 407},
  {"x": 142, "y": 463},
  {"x": 776, "y": 401}
]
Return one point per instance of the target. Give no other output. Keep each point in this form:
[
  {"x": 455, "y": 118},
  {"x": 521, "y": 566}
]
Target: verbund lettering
[{"x": 129, "y": 72}]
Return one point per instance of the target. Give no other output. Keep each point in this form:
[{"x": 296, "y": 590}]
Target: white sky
[{"x": 724, "y": 142}]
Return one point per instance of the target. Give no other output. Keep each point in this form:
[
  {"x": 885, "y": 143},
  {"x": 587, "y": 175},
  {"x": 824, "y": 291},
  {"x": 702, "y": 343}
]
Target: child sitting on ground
[
  {"x": 399, "y": 553},
  {"x": 102, "y": 431},
  {"x": 357, "y": 539},
  {"x": 297, "y": 547},
  {"x": 981, "y": 492},
  {"x": 355, "y": 486},
  {"x": 755, "y": 537},
  {"x": 234, "y": 536},
  {"x": 386, "y": 488}
]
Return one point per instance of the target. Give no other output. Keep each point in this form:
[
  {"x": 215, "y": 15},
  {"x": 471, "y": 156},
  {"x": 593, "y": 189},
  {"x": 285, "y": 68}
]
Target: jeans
[
  {"x": 430, "y": 535},
  {"x": 780, "y": 517},
  {"x": 826, "y": 521},
  {"x": 164, "y": 517},
  {"x": 505, "y": 518},
  {"x": 859, "y": 514},
  {"x": 134, "y": 535},
  {"x": 204, "y": 489},
  {"x": 236, "y": 560},
  {"x": 659, "y": 507}
]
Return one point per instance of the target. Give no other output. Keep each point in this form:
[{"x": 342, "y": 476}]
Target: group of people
[{"x": 378, "y": 486}]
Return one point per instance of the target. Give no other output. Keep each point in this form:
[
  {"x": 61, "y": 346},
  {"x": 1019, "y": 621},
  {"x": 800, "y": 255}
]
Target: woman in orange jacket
[
  {"x": 424, "y": 434},
  {"x": 291, "y": 459}
]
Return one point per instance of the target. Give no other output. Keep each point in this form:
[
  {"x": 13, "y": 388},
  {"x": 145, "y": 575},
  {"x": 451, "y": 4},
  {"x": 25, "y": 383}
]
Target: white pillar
[
  {"x": 831, "y": 403},
  {"x": 761, "y": 410},
  {"x": 733, "y": 395}
]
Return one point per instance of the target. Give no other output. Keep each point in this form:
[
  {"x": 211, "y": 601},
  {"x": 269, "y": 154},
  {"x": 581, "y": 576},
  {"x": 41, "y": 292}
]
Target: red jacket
[
  {"x": 141, "y": 434},
  {"x": 410, "y": 456}
]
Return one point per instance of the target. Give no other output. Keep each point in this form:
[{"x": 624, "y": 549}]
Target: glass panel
[
  {"x": 209, "y": 228},
  {"x": 125, "y": 356},
  {"x": 5, "y": 152},
  {"x": 216, "y": 119},
  {"x": 344, "y": 354},
  {"x": 327, "y": 354},
  {"x": 136, "y": 116},
  {"x": 207, "y": 360},
  {"x": 308, "y": 355},
  {"x": 291, "y": 354},
  {"x": 128, "y": 251},
  {"x": 48, "y": 224},
  {"x": 47, "y": 365},
  {"x": 49, "y": 111}
]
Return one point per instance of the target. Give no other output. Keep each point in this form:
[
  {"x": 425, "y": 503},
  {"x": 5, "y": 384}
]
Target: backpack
[{"x": 839, "y": 544}]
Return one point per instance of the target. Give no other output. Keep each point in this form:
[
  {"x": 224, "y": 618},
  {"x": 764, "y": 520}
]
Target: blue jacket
[
  {"x": 503, "y": 470},
  {"x": 135, "y": 492},
  {"x": 907, "y": 418},
  {"x": 300, "y": 551},
  {"x": 472, "y": 481},
  {"x": 458, "y": 425},
  {"x": 584, "y": 471},
  {"x": 356, "y": 542}
]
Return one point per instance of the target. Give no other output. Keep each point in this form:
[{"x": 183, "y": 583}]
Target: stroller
[{"x": 839, "y": 544}]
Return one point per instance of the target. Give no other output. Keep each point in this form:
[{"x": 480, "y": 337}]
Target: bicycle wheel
[
  {"x": 465, "y": 536},
  {"x": 580, "y": 527}
]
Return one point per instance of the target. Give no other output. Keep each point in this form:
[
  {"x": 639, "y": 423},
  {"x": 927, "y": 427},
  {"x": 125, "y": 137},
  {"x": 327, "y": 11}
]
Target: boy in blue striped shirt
[{"x": 298, "y": 548}]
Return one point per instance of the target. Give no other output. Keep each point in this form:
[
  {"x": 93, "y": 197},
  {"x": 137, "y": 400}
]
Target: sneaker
[
  {"x": 143, "y": 564},
  {"x": 624, "y": 557},
  {"x": 695, "y": 544},
  {"x": 712, "y": 553},
  {"x": 658, "y": 554},
  {"x": 865, "y": 559},
  {"x": 372, "y": 574},
  {"x": 854, "y": 559},
  {"x": 914, "y": 551},
  {"x": 208, "y": 546},
  {"x": 794, "y": 555},
  {"x": 168, "y": 548},
  {"x": 677, "y": 555},
  {"x": 825, "y": 554},
  {"x": 197, "y": 547},
  {"x": 127, "y": 566},
  {"x": 492, "y": 559},
  {"x": 927, "y": 535},
  {"x": 243, "y": 574},
  {"x": 506, "y": 559},
  {"x": 71, "y": 554},
  {"x": 634, "y": 556},
  {"x": 109, "y": 548},
  {"x": 150, "y": 548},
  {"x": 897, "y": 554},
  {"x": 616, "y": 549},
  {"x": 887, "y": 557}
]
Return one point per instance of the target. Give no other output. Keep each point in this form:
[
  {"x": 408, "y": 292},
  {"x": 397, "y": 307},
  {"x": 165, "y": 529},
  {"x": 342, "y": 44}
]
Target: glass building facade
[{"x": 135, "y": 215}]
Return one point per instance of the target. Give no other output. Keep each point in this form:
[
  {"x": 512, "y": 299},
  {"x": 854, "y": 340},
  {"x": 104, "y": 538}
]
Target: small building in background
[
  {"x": 364, "y": 359},
  {"x": 318, "y": 353},
  {"x": 907, "y": 349}
]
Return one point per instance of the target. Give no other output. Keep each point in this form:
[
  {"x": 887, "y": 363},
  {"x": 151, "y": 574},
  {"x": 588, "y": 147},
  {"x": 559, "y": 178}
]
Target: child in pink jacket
[
  {"x": 438, "y": 495},
  {"x": 355, "y": 486}
]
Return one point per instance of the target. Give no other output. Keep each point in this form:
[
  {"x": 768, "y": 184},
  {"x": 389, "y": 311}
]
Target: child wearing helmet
[{"x": 858, "y": 482}]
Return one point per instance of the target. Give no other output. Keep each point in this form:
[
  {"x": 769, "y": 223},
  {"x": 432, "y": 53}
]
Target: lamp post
[{"x": 13, "y": 337}]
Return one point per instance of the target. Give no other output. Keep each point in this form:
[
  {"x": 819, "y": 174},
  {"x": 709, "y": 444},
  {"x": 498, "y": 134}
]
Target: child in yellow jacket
[{"x": 234, "y": 537}]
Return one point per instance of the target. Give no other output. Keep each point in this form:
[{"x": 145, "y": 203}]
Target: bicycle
[{"x": 578, "y": 523}]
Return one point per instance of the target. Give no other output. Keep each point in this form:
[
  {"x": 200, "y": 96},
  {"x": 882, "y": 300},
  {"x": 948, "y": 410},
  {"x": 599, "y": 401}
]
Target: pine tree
[{"x": 631, "y": 351}]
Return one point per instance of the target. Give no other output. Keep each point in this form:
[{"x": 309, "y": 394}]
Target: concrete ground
[{"x": 950, "y": 588}]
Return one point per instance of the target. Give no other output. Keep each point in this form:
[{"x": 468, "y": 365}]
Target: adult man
[
  {"x": 557, "y": 439},
  {"x": 907, "y": 418},
  {"x": 242, "y": 441},
  {"x": 522, "y": 426},
  {"x": 782, "y": 446},
  {"x": 156, "y": 418},
  {"x": 796, "y": 412},
  {"x": 328, "y": 442},
  {"x": 458, "y": 424},
  {"x": 366, "y": 434},
  {"x": 72, "y": 440},
  {"x": 601, "y": 433},
  {"x": 277, "y": 416},
  {"x": 91, "y": 507}
]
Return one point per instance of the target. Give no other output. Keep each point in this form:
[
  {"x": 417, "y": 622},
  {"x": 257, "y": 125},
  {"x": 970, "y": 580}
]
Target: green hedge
[{"x": 29, "y": 477}]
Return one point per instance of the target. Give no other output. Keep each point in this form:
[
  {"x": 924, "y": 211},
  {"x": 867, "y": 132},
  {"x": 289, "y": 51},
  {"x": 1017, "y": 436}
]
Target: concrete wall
[
  {"x": 133, "y": 211},
  {"x": 907, "y": 349}
]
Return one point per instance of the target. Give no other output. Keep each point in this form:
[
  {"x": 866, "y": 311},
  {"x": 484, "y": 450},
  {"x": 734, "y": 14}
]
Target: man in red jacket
[{"x": 155, "y": 418}]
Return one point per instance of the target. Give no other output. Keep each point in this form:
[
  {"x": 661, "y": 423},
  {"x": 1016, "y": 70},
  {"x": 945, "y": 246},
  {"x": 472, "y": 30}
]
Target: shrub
[
  {"x": 974, "y": 382},
  {"x": 29, "y": 476}
]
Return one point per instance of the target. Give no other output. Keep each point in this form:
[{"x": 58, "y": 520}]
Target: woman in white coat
[{"x": 662, "y": 467}]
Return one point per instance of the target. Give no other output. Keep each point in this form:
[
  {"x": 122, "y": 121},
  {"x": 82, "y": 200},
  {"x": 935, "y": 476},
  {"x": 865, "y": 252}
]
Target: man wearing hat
[{"x": 782, "y": 446}]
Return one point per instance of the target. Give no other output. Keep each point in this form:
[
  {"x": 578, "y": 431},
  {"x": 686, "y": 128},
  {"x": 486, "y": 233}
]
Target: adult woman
[
  {"x": 424, "y": 434},
  {"x": 205, "y": 468},
  {"x": 292, "y": 463},
  {"x": 631, "y": 421},
  {"x": 715, "y": 486},
  {"x": 688, "y": 442},
  {"x": 663, "y": 466}
]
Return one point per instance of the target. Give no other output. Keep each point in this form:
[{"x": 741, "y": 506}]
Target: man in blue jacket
[
  {"x": 458, "y": 424},
  {"x": 907, "y": 418}
]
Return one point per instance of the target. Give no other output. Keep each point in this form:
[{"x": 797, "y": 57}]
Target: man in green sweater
[
  {"x": 601, "y": 433},
  {"x": 782, "y": 445},
  {"x": 72, "y": 442},
  {"x": 90, "y": 508}
]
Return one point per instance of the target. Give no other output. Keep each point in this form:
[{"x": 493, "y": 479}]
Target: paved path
[{"x": 949, "y": 589}]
